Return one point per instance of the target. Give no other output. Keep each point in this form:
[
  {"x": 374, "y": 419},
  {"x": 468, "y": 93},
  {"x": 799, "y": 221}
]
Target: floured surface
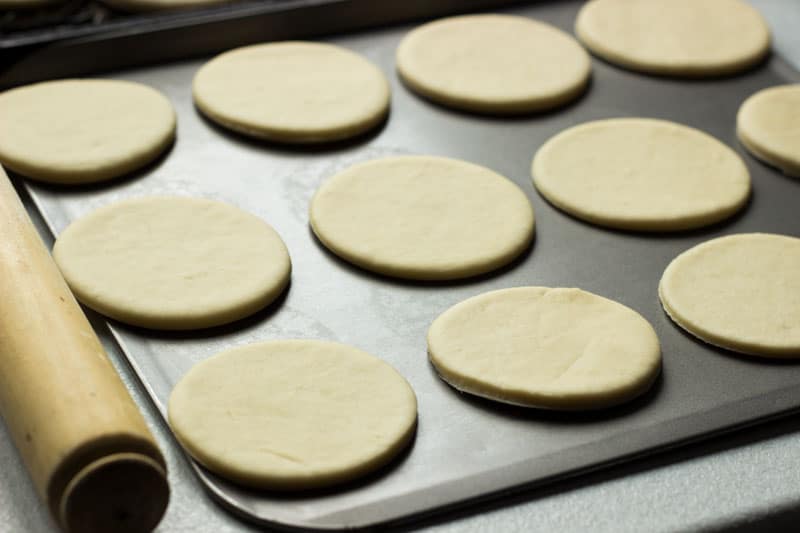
[
  {"x": 675, "y": 37},
  {"x": 173, "y": 262},
  {"x": 548, "y": 348},
  {"x": 294, "y": 92},
  {"x": 741, "y": 292},
  {"x": 641, "y": 174},
  {"x": 768, "y": 124},
  {"x": 82, "y": 131},
  {"x": 422, "y": 217},
  {"x": 292, "y": 415},
  {"x": 493, "y": 63}
]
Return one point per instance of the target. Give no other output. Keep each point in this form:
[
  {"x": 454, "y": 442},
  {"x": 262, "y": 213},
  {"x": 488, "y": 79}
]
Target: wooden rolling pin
[{"x": 80, "y": 434}]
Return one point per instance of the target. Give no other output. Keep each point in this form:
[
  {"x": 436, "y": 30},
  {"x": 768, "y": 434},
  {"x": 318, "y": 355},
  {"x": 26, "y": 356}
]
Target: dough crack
[
  {"x": 573, "y": 362},
  {"x": 282, "y": 455}
]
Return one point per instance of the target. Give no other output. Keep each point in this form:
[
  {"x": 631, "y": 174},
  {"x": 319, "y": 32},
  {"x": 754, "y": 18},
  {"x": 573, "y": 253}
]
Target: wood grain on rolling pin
[{"x": 85, "y": 444}]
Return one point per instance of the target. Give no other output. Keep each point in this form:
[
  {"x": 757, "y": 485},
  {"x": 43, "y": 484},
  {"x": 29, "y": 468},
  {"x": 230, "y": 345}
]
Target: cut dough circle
[
  {"x": 293, "y": 414},
  {"x": 768, "y": 125},
  {"x": 294, "y": 92},
  {"x": 493, "y": 63},
  {"x": 641, "y": 174},
  {"x": 422, "y": 217},
  {"x": 82, "y": 131},
  {"x": 173, "y": 262},
  {"x": 738, "y": 292},
  {"x": 552, "y": 348},
  {"x": 694, "y": 38}
]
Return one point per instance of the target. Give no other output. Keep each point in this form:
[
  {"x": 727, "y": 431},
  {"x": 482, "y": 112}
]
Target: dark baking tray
[
  {"x": 89, "y": 37},
  {"x": 466, "y": 448},
  {"x": 72, "y": 19}
]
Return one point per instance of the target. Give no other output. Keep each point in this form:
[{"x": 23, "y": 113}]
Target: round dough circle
[
  {"x": 675, "y": 37},
  {"x": 294, "y": 92},
  {"x": 738, "y": 292},
  {"x": 543, "y": 347},
  {"x": 768, "y": 125},
  {"x": 641, "y": 174},
  {"x": 173, "y": 262},
  {"x": 293, "y": 414},
  {"x": 421, "y": 217},
  {"x": 493, "y": 63},
  {"x": 82, "y": 131}
]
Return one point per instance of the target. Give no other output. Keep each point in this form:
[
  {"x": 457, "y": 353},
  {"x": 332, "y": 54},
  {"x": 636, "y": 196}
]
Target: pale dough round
[
  {"x": 293, "y": 414},
  {"x": 421, "y": 217},
  {"x": 641, "y": 174},
  {"x": 551, "y": 348},
  {"x": 173, "y": 262},
  {"x": 675, "y": 37},
  {"x": 740, "y": 292},
  {"x": 493, "y": 63},
  {"x": 82, "y": 131},
  {"x": 295, "y": 92},
  {"x": 768, "y": 125}
]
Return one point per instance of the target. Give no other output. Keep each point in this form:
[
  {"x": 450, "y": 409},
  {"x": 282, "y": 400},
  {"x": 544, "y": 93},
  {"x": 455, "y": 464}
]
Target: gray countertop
[{"x": 746, "y": 480}]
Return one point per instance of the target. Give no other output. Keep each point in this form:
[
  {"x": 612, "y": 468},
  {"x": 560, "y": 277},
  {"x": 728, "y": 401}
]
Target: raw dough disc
[
  {"x": 294, "y": 414},
  {"x": 740, "y": 292},
  {"x": 421, "y": 217},
  {"x": 173, "y": 262},
  {"x": 157, "y": 5},
  {"x": 641, "y": 174},
  {"x": 675, "y": 37},
  {"x": 768, "y": 125},
  {"x": 493, "y": 63},
  {"x": 548, "y": 348},
  {"x": 295, "y": 92},
  {"x": 81, "y": 131}
]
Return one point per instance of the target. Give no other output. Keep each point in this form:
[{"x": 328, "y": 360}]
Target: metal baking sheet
[
  {"x": 96, "y": 39},
  {"x": 465, "y": 448}
]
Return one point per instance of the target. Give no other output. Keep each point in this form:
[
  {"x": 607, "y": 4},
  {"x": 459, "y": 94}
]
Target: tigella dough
[
  {"x": 740, "y": 292},
  {"x": 693, "y": 38},
  {"x": 497, "y": 64},
  {"x": 170, "y": 262},
  {"x": 551, "y": 348},
  {"x": 768, "y": 125},
  {"x": 83, "y": 130},
  {"x": 293, "y": 414},
  {"x": 641, "y": 174},
  {"x": 292, "y": 92},
  {"x": 422, "y": 217}
]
